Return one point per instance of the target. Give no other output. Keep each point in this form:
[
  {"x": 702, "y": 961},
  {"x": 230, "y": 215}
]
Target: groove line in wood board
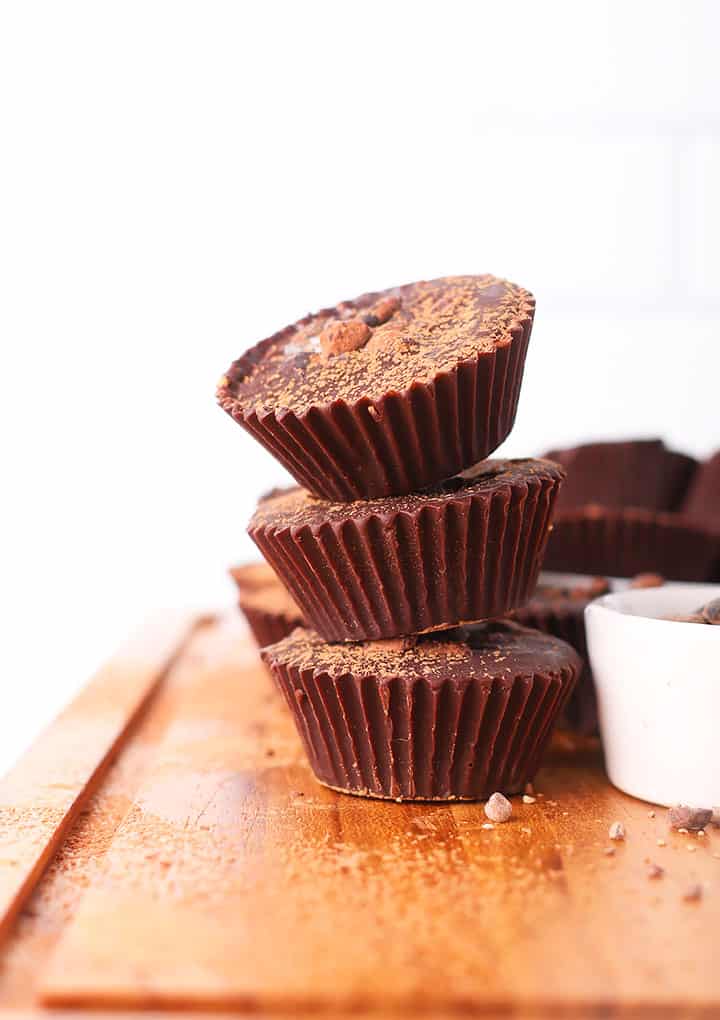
[{"x": 43, "y": 793}]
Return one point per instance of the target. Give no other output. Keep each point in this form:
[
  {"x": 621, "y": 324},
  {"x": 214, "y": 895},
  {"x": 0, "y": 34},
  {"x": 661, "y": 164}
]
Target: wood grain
[
  {"x": 43, "y": 794},
  {"x": 236, "y": 882}
]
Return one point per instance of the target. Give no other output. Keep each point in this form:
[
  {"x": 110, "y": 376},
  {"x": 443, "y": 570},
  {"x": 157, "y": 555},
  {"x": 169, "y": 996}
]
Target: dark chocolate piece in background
[
  {"x": 559, "y": 609},
  {"x": 702, "y": 499},
  {"x": 634, "y": 506},
  {"x": 622, "y": 543},
  {"x": 467, "y": 550},
  {"x": 632, "y": 473},
  {"x": 457, "y": 715},
  {"x": 267, "y": 606}
]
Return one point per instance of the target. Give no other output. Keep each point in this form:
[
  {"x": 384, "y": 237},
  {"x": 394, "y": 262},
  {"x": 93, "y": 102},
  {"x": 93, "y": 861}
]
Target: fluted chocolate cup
[
  {"x": 559, "y": 609},
  {"x": 622, "y": 543},
  {"x": 468, "y": 550},
  {"x": 268, "y": 608},
  {"x": 391, "y": 392},
  {"x": 454, "y": 716}
]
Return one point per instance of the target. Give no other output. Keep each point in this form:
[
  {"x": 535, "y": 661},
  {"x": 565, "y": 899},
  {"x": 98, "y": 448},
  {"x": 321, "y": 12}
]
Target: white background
[{"x": 178, "y": 180}]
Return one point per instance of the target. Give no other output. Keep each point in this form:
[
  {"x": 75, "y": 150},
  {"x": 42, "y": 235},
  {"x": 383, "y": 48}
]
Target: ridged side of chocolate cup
[
  {"x": 568, "y": 624},
  {"x": 398, "y": 444},
  {"x": 380, "y": 575},
  {"x": 412, "y": 740},
  {"x": 622, "y": 543},
  {"x": 268, "y": 627}
]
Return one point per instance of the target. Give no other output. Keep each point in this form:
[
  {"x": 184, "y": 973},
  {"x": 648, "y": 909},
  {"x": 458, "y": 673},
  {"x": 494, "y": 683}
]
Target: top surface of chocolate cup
[
  {"x": 390, "y": 392},
  {"x": 481, "y": 651},
  {"x": 296, "y": 508}
]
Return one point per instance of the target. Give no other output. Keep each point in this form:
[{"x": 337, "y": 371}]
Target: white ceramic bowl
[{"x": 658, "y": 690}]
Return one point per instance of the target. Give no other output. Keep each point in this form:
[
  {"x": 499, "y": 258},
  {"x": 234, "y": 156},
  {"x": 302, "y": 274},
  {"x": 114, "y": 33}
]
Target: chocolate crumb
[
  {"x": 655, "y": 871},
  {"x": 693, "y": 893},
  {"x": 609, "y": 851},
  {"x": 598, "y": 586},
  {"x": 681, "y": 816},
  {"x": 424, "y": 823},
  {"x": 647, "y": 581},
  {"x": 617, "y": 831},
  {"x": 498, "y": 808},
  {"x": 707, "y": 614},
  {"x": 651, "y": 814},
  {"x": 711, "y": 612},
  {"x": 382, "y": 311}
]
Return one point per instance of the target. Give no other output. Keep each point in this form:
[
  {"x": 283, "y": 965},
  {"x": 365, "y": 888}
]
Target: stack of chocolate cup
[{"x": 403, "y": 548}]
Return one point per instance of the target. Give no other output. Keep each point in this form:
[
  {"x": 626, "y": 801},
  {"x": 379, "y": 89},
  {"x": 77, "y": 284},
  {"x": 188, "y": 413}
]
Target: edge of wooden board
[{"x": 43, "y": 793}]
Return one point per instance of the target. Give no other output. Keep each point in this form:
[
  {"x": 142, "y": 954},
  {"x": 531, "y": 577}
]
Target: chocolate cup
[
  {"x": 264, "y": 602},
  {"x": 405, "y": 441},
  {"x": 567, "y": 622},
  {"x": 268, "y": 627},
  {"x": 469, "y": 551},
  {"x": 622, "y": 543},
  {"x": 628, "y": 473},
  {"x": 424, "y": 738}
]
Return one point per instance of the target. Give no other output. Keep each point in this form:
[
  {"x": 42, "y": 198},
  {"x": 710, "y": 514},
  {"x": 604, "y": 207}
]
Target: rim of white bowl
[{"x": 628, "y": 604}]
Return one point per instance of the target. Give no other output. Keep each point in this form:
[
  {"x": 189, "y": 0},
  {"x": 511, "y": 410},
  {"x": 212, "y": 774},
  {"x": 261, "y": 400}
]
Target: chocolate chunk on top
[{"x": 379, "y": 342}]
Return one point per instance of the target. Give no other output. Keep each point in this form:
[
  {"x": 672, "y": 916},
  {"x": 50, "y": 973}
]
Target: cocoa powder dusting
[
  {"x": 378, "y": 343},
  {"x": 498, "y": 650},
  {"x": 296, "y": 507}
]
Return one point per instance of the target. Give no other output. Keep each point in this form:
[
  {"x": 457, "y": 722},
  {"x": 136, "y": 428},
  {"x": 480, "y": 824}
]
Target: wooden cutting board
[{"x": 164, "y": 846}]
